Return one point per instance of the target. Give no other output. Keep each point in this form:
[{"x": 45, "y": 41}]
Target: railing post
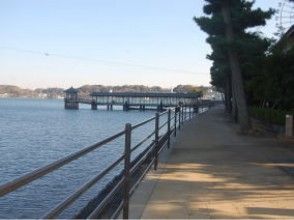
[
  {"x": 190, "y": 113},
  {"x": 175, "y": 122},
  {"x": 289, "y": 125},
  {"x": 168, "y": 128},
  {"x": 180, "y": 117},
  {"x": 156, "y": 140},
  {"x": 128, "y": 136}
]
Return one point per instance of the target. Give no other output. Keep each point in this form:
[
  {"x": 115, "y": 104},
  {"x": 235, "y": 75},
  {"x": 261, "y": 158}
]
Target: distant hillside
[
  {"x": 15, "y": 91},
  {"x": 53, "y": 93}
]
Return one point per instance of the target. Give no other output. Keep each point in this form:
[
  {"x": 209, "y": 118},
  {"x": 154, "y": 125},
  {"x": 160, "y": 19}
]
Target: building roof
[
  {"x": 146, "y": 94},
  {"x": 71, "y": 90}
]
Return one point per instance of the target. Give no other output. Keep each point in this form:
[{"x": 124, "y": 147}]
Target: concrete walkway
[{"x": 211, "y": 172}]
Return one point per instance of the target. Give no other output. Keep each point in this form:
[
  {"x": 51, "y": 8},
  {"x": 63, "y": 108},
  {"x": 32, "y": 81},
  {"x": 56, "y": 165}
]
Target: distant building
[
  {"x": 42, "y": 96},
  {"x": 211, "y": 94},
  {"x": 4, "y": 95},
  {"x": 71, "y": 98}
]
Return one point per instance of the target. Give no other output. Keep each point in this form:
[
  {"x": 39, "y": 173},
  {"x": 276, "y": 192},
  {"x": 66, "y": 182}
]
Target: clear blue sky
[{"x": 62, "y": 43}]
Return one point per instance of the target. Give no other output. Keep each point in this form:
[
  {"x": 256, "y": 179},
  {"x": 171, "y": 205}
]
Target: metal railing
[{"x": 174, "y": 120}]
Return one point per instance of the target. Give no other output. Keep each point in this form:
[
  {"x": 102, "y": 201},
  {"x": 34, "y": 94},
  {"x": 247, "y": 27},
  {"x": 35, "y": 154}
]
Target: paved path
[{"x": 211, "y": 172}]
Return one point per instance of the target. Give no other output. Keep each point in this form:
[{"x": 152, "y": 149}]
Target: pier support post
[
  {"x": 126, "y": 106},
  {"x": 94, "y": 106},
  {"x": 160, "y": 107},
  {"x": 72, "y": 105},
  {"x": 127, "y": 164},
  {"x": 196, "y": 109}
]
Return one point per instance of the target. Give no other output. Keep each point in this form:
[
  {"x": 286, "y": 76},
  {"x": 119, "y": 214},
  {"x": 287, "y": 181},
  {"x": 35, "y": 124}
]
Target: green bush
[{"x": 273, "y": 116}]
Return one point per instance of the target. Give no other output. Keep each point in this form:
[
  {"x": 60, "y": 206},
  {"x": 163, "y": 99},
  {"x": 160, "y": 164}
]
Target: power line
[{"x": 105, "y": 62}]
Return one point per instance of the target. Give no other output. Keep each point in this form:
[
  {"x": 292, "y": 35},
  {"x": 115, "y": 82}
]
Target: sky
[{"x": 63, "y": 43}]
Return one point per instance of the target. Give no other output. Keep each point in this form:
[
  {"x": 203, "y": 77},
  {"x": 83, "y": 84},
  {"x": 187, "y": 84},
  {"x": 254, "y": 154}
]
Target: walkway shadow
[{"x": 214, "y": 173}]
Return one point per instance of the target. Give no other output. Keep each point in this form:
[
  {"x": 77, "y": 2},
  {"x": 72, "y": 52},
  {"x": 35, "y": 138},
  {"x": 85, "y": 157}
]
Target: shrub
[{"x": 272, "y": 116}]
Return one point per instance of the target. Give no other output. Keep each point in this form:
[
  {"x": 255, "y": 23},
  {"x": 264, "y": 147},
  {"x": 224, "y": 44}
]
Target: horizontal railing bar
[
  {"x": 163, "y": 113},
  {"x": 164, "y": 138},
  {"x": 94, "y": 214},
  {"x": 61, "y": 206},
  {"x": 161, "y": 147},
  {"x": 141, "y": 177},
  {"x": 36, "y": 174},
  {"x": 143, "y": 141},
  {"x": 164, "y": 124},
  {"x": 117, "y": 211},
  {"x": 141, "y": 160},
  {"x": 142, "y": 123},
  {"x": 162, "y": 141}
]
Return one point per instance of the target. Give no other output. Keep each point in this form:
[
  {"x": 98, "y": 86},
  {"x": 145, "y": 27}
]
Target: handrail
[
  {"x": 61, "y": 206},
  {"x": 163, "y": 113},
  {"x": 142, "y": 142},
  {"x": 151, "y": 151},
  {"x": 142, "y": 123},
  {"x": 141, "y": 160},
  {"x": 30, "y": 177},
  {"x": 162, "y": 126},
  {"x": 104, "y": 201}
]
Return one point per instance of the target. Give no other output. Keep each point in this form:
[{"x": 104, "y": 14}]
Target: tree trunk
[
  {"x": 234, "y": 108},
  {"x": 228, "y": 93},
  {"x": 237, "y": 81}
]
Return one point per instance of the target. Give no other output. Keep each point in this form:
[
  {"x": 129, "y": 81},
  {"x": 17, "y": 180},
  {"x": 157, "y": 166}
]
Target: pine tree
[{"x": 227, "y": 26}]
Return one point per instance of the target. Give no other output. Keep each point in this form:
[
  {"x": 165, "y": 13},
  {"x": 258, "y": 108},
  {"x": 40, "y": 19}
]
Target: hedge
[{"x": 272, "y": 116}]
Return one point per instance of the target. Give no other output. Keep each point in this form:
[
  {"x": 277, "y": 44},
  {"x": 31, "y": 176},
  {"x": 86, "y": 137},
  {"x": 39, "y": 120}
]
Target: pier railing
[{"x": 126, "y": 184}]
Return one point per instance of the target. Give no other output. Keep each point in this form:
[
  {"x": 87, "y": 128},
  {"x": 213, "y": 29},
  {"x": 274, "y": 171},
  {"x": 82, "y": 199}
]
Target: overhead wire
[{"x": 105, "y": 62}]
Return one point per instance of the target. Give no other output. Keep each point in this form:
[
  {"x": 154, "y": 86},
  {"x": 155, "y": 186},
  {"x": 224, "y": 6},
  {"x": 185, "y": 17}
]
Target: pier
[{"x": 134, "y": 100}]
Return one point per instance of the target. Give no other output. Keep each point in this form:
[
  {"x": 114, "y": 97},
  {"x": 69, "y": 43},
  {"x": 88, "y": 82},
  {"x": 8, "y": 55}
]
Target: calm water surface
[{"x": 34, "y": 133}]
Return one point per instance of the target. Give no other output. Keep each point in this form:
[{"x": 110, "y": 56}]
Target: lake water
[{"x": 34, "y": 133}]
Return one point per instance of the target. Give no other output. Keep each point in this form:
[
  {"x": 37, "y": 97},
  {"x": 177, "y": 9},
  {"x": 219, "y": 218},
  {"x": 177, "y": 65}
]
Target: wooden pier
[{"x": 134, "y": 100}]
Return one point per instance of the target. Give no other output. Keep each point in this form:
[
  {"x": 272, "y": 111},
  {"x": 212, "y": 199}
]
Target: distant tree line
[
  {"x": 247, "y": 67},
  {"x": 15, "y": 91},
  {"x": 88, "y": 89}
]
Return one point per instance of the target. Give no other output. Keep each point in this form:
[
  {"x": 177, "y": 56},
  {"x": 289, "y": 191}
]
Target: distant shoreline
[{"x": 27, "y": 98}]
